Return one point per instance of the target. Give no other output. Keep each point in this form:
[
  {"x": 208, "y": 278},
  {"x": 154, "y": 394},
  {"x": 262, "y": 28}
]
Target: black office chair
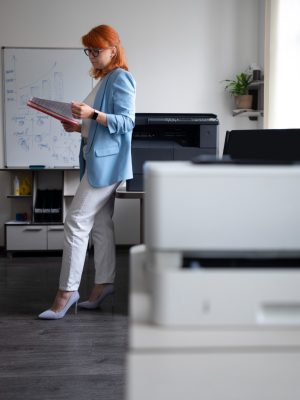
[{"x": 263, "y": 145}]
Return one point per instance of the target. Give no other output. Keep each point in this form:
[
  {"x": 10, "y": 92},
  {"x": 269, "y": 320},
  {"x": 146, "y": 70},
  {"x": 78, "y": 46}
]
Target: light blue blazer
[{"x": 108, "y": 151}]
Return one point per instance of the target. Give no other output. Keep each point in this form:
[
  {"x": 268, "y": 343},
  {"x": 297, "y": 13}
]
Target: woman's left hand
[{"x": 81, "y": 110}]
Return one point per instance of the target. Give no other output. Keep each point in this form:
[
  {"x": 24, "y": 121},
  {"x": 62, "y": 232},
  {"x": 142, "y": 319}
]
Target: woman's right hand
[{"x": 71, "y": 127}]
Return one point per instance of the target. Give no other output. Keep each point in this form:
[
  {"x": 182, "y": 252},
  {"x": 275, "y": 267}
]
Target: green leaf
[{"x": 239, "y": 85}]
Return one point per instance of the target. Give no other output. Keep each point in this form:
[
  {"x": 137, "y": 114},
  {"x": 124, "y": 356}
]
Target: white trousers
[{"x": 91, "y": 209}]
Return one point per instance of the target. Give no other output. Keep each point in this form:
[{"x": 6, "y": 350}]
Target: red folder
[{"x": 56, "y": 109}]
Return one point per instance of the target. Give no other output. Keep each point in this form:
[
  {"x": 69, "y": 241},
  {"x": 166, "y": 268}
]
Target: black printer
[{"x": 161, "y": 137}]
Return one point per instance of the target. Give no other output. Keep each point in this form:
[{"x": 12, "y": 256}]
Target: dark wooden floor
[{"x": 79, "y": 357}]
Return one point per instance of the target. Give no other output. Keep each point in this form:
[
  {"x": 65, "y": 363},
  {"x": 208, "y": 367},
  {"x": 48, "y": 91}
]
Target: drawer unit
[
  {"x": 55, "y": 237},
  {"x": 34, "y": 237},
  {"x": 26, "y": 237}
]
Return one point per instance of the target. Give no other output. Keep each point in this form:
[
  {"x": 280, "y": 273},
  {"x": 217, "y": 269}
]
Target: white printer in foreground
[{"x": 215, "y": 290}]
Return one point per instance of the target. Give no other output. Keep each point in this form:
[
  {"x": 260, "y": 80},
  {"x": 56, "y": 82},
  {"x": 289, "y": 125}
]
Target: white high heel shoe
[
  {"x": 49, "y": 314},
  {"x": 92, "y": 305}
]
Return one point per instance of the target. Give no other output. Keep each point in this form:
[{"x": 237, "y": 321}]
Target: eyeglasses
[{"x": 93, "y": 52}]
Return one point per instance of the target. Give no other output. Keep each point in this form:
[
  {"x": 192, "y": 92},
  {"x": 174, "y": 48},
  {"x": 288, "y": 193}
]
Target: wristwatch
[{"x": 95, "y": 115}]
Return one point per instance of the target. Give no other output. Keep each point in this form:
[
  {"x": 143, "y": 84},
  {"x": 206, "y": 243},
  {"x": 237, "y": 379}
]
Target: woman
[{"x": 107, "y": 116}]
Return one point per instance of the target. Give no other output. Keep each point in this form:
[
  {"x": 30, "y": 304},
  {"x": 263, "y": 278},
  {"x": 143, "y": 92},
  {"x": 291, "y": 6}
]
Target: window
[{"x": 282, "y": 64}]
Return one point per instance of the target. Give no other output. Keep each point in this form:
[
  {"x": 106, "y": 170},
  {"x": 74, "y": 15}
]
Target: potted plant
[{"x": 238, "y": 87}]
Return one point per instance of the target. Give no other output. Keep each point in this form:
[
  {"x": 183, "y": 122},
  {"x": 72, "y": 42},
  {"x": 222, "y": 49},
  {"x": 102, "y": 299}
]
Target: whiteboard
[{"x": 31, "y": 137}]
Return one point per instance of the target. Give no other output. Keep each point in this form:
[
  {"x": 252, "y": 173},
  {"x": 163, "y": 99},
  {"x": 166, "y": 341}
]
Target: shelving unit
[
  {"x": 35, "y": 232},
  {"x": 34, "y": 235},
  {"x": 251, "y": 114},
  {"x": 257, "y": 91}
]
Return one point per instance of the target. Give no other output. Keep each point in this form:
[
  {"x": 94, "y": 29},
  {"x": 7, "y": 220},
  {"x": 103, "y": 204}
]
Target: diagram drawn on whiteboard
[{"x": 31, "y": 136}]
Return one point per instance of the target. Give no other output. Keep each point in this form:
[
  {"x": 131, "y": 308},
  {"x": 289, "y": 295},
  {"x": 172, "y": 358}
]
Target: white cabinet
[
  {"x": 127, "y": 221},
  {"x": 55, "y": 237},
  {"x": 26, "y": 237},
  {"x": 34, "y": 237},
  {"x": 35, "y": 223}
]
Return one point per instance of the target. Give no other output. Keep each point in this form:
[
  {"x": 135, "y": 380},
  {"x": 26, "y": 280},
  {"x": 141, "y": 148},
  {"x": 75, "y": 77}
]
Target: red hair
[{"x": 101, "y": 37}]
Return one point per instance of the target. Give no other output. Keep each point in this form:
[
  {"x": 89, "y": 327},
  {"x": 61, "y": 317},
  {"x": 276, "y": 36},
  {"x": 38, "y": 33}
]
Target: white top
[
  {"x": 89, "y": 100},
  {"x": 85, "y": 125}
]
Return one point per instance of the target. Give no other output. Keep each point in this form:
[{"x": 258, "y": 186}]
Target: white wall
[{"x": 179, "y": 51}]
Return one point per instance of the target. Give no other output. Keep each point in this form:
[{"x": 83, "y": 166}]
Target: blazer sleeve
[{"x": 123, "y": 96}]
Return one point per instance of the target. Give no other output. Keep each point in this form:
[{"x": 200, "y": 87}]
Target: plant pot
[{"x": 243, "y": 101}]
